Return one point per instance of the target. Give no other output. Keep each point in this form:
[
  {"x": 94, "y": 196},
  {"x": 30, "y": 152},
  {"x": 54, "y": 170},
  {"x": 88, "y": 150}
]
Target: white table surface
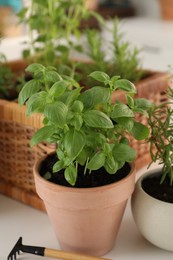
[{"x": 17, "y": 219}]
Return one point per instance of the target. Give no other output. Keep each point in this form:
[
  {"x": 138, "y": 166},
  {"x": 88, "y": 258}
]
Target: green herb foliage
[
  {"x": 53, "y": 34},
  {"x": 161, "y": 137},
  {"x": 56, "y": 36},
  {"x": 124, "y": 60},
  {"x": 6, "y": 78},
  {"x": 10, "y": 85},
  {"x": 88, "y": 129}
]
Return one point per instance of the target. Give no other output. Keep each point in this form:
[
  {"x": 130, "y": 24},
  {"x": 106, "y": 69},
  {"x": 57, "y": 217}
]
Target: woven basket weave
[{"x": 16, "y": 156}]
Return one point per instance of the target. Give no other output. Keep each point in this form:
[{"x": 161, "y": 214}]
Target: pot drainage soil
[
  {"x": 164, "y": 191},
  {"x": 95, "y": 179}
]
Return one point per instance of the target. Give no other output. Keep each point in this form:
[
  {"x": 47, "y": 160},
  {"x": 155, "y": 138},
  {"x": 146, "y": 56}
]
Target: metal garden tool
[{"x": 42, "y": 251}]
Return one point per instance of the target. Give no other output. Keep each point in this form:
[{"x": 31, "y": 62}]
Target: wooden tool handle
[{"x": 58, "y": 254}]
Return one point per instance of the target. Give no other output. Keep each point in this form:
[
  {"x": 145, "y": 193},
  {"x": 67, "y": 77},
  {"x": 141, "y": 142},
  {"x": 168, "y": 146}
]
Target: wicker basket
[{"x": 17, "y": 157}]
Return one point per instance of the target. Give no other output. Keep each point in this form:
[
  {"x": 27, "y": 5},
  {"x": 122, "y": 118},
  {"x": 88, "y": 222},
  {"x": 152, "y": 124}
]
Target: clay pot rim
[
  {"x": 156, "y": 171},
  {"x": 80, "y": 190}
]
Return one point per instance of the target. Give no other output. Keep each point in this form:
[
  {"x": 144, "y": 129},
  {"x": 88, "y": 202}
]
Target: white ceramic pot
[{"x": 154, "y": 218}]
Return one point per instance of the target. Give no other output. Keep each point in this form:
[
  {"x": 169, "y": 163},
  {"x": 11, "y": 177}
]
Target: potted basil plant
[
  {"x": 152, "y": 201},
  {"x": 85, "y": 184}
]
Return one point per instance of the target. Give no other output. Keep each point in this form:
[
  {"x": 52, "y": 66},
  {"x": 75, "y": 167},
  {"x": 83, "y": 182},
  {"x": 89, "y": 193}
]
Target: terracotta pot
[
  {"x": 166, "y": 9},
  {"x": 85, "y": 220},
  {"x": 153, "y": 217}
]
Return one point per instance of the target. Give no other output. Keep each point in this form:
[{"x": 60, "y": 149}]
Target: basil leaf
[
  {"x": 140, "y": 131},
  {"x": 56, "y": 113},
  {"x": 30, "y": 88},
  {"x": 96, "y": 162},
  {"x": 42, "y": 134},
  {"x": 94, "y": 96},
  {"x": 123, "y": 152},
  {"x": 125, "y": 85},
  {"x": 95, "y": 118},
  {"x": 71, "y": 174},
  {"x": 74, "y": 142},
  {"x": 121, "y": 110},
  {"x": 100, "y": 76}
]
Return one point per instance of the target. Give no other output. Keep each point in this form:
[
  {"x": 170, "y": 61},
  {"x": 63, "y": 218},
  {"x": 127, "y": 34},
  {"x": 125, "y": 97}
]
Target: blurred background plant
[{"x": 9, "y": 20}]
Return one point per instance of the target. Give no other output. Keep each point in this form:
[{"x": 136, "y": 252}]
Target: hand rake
[{"x": 42, "y": 251}]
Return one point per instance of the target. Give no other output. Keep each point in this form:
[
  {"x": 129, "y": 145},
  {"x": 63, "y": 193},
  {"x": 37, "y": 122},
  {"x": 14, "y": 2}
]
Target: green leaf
[
  {"x": 71, "y": 174},
  {"x": 126, "y": 122},
  {"x": 56, "y": 113},
  {"x": 77, "y": 106},
  {"x": 125, "y": 85},
  {"x": 77, "y": 122},
  {"x": 36, "y": 103},
  {"x": 123, "y": 152},
  {"x": 107, "y": 148},
  {"x": 130, "y": 101},
  {"x": 58, "y": 88},
  {"x": 94, "y": 96},
  {"x": 143, "y": 103},
  {"x": 124, "y": 140},
  {"x": 82, "y": 157},
  {"x": 35, "y": 68},
  {"x": 52, "y": 76},
  {"x": 74, "y": 142},
  {"x": 62, "y": 48},
  {"x": 140, "y": 131},
  {"x": 100, "y": 76},
  {"x": 120, "y": 164},
  {"x": 96, "y": 162},
  {"x": 71, "y": 82},
  {"x": 95, "y": 138},
  {"x": 30, "y": 88},
  {"x": 114, "y": 79},
  {"x": 111, "y": 166},
  {"x": 60, "y": 153},
  {"x": 42, "y": 134},
  {"x": 121, "y": 110},
  {"x": 98, "y": 119},
  {"x": 26, "y": 53},
  {"x": 59, "y": 165},
  {"x": 72, "y": 96},
  {"x": 42, "y": 3}
]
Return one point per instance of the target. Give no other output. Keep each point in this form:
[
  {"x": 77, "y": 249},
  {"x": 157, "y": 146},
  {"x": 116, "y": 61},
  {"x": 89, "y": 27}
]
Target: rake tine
[{"x": 15, "y": 250}]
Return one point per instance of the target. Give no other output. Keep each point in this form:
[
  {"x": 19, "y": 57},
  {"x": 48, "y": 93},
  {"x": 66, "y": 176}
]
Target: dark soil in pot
[
  {"x": 154, "y": 188},
  {"x": 95, "y": 179}
]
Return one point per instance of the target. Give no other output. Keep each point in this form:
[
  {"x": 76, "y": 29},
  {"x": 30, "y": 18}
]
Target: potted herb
[
  {"x": 153, "y": 197},
  {"x": 117, "y": 57},
  {"x": 48, "y": 46},
  {"x": 17, "y": 182},
  {"x": 86, "y": 183},
  {"x": 6, "y": 79},
  {"x": 52, "y": 36}
]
